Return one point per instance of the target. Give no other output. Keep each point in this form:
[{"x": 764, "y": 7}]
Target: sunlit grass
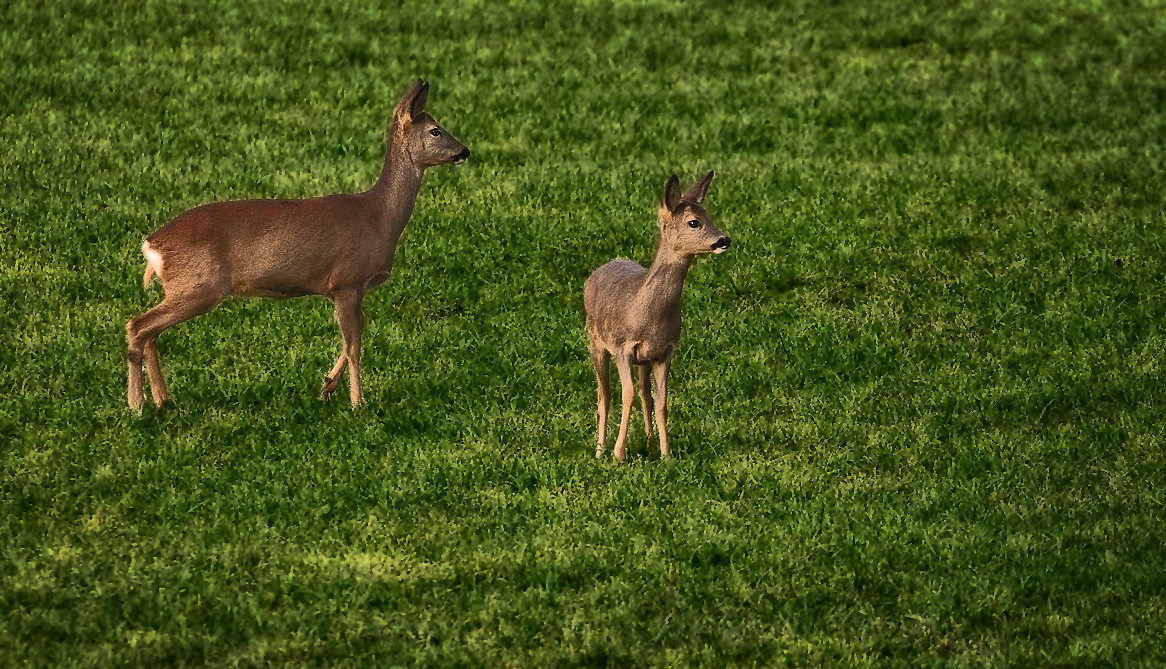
[{"x": 915, "y": 411}]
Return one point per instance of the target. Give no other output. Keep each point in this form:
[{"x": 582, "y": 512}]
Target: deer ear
[
  {"x": 412, "y": 102},
  {"x": 696, "y": 191},
  {"x": 671, "y": 199},
  {"x": 419, "y": 100}
]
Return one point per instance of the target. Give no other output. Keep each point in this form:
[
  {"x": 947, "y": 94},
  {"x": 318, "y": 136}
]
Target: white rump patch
[{"x": 153, "y": 258}]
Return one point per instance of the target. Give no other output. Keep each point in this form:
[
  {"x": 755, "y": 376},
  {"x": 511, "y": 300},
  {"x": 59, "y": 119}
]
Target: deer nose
[
  {"x": 721, "y": 245},
  {"x": 461, "y": 157}
]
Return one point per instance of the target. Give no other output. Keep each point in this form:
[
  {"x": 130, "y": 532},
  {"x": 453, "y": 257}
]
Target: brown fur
[
  {"x": 338, "y": 246},
  {"x": 633, "y": 314}
]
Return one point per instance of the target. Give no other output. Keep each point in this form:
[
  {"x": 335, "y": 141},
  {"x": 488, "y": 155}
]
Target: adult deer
[{"x": 338, "y": 246}]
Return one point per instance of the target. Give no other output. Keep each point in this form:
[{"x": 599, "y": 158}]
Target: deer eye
[
  {"x": 436, "y": 132},
  {"x": 694, "y": 223}
]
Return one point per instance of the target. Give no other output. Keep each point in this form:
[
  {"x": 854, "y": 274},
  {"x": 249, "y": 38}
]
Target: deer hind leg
[
  {"x": 134, "y": 388},
  {"x": 154, "y": 371},
  {"x": 646, "y": 397},
  {"x": 142, "y": 333},
  {"x": 660, "y": 372},
  {"x": 350, "y": 316},
  {"x": 624, "y": 366},
  {"x": 599, "y": 360}
]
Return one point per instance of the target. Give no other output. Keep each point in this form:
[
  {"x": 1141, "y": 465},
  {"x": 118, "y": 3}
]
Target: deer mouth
[
  {"x": 721, "y": 245},
  {"x": 461, "y": 157}
]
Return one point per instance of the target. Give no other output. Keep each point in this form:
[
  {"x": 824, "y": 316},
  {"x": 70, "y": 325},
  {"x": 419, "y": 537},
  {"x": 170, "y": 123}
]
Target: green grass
[{"x": 916, "y": 410}]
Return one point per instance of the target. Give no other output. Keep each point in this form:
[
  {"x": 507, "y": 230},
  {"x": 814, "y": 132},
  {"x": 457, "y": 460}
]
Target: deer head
[
  {"x": 420, "y": 136},
  {"x": 685, "y": 227}
]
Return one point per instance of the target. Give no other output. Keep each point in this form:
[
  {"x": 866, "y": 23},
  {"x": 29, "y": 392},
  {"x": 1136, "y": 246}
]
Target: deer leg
[
  {"x": 599, "y": 360},
  {"x": 350, "y": 316},
  {"x": 154, "y": 370},
  {"x": 646, "y": 398},
  {"x": 134, "y": 389},
  {"x": 332, "y": 380},
  {"x": 628, "y": 388},
  {"x": 660, "y": 372},
  {"x": 141, "y": 333}
]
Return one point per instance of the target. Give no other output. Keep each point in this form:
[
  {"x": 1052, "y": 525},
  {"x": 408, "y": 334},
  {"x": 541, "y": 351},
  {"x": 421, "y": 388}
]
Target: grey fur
[{"x": 633, "y": 314}]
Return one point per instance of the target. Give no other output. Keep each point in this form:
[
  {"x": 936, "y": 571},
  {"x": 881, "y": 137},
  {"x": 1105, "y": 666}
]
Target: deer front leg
[
  {"x": 599, "y": 360},
  {"x": 624, "y": 366},
  {"x": 660, "y": 372},
  {"x": 332, "y": 380},
  {"x": 350, "y": 316}
]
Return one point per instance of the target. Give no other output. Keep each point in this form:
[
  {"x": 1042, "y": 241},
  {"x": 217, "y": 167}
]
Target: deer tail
[{"x": 153, "y": 264}]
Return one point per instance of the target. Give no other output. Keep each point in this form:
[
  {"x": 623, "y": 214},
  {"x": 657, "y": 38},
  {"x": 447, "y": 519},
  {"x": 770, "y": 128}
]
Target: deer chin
[{"x": 719, "y": 250}]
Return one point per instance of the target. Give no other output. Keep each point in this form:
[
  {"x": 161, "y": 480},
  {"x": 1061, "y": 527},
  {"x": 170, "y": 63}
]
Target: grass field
[{"x": 915, "y": 413}]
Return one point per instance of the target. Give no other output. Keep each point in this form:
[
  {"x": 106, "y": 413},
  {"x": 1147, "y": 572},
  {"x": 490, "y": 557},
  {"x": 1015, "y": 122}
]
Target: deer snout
[
  {"x": 721, "y": 245},
  {"x": 461, "y": 157}
]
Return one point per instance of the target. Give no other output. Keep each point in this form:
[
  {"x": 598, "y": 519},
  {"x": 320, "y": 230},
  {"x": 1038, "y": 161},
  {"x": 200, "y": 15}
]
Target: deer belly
[
  {"x": 378, "y": 279},
  {"x": 243, "y": 290},
  {"x": 645, "y": 352},
  {"x": 278, "y": 270}
]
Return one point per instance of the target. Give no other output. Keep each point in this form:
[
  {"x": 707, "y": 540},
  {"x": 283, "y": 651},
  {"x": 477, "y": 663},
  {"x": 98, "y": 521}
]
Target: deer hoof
[{"x": 326, "y": 389}]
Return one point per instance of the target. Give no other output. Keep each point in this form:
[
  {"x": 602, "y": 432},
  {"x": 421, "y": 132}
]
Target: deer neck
[
  {"x": 664, "y": 283},
  {"x": 395, "y": 191}
]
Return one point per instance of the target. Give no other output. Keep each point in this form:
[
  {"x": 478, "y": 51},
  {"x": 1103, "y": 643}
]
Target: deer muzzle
[
  {"x": 721, "y": 245},
  {"x": 461, "y": 157}
]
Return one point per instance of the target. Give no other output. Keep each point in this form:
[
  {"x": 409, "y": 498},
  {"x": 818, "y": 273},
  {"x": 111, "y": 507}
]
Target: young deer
[
  {"x": 633, "y": 313},
  {"x": 338, "y": 246}
]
